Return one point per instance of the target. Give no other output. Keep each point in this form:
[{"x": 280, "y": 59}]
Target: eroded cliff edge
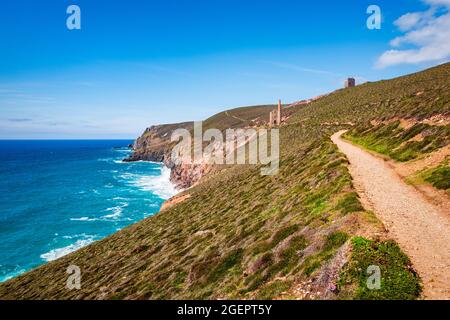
[{"x": 155, "y": 145}]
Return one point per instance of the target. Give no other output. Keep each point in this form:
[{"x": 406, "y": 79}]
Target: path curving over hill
[{"x": 421, "y": 229}]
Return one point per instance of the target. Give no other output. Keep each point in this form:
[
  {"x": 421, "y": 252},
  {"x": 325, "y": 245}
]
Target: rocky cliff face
[
  {"x": 185, "y": 176},
  {"x": 155, "y": 145}
]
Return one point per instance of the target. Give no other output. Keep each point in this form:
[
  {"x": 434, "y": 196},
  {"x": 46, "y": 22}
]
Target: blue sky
[{"x": 137, "y": 63}]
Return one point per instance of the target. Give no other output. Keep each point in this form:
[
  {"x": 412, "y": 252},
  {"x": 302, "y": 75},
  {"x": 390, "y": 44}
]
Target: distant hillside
[
  {"x": 301, "y": 234},
  {"x": 240, "y": 117},
  {"x": 154, "y": 142}
]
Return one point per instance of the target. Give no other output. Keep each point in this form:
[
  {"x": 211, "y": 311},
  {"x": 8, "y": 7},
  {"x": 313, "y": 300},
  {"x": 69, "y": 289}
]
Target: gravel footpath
[{"x": 421, "y": 229}]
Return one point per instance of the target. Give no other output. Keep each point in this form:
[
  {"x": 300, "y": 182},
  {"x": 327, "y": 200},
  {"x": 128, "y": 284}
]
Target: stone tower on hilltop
[
  {"x": 279, "y": 112},
  {"x": 275, "y": 116},
  {"x": 350, "y": 83}
]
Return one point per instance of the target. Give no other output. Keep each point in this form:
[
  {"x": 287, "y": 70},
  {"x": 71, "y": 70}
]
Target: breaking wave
[{"x": 60, "y": 252}]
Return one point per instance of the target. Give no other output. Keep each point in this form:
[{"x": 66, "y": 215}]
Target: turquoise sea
[{"x": 58, "y": 196}]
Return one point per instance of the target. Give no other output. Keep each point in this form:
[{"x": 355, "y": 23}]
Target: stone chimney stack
[{"x": 279, "y": 113}]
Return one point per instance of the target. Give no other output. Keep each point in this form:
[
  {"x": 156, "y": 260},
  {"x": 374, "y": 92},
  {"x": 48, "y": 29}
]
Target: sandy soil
[
  {"x": 421, "y": 229},
  {"x": 173, "y": 201},
  {"x": 431, "y": 160}
]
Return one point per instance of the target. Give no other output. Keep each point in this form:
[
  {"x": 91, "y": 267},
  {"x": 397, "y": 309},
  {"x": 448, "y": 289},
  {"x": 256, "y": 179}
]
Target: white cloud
[
  {"x": 427, "y": 35},
  {"x": 408, "y": 21},
  {"x": 439, "y": 2}
]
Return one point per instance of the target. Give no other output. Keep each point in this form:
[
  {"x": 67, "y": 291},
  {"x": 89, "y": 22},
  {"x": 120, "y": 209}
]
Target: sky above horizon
[{"x": 138, "y": 63}]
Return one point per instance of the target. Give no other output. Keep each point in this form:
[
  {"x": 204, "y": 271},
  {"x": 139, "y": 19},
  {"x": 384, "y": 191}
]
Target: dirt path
[
  {"x": 233, "y": 116},
  {"x": 421, "y": 229}
]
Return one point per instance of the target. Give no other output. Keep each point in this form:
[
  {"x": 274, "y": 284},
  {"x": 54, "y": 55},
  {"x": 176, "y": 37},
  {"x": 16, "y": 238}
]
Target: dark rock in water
[{"x": 146, "y": 155}]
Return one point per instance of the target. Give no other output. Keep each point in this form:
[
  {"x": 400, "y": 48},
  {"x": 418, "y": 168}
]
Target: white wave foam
[
  {"x": 120, "y": 198},
  {"x": 159, "y": 185},
  {"x": 117, "y": 211},
  {"x": 59, "y": 252},
  {"x": 123, "y": 150},
  {"x": 75, "y": 236},
  {"x": 12, "y": 275},
  {"x": 82, "y": 219},
  {"x": 137, "y": 161}
]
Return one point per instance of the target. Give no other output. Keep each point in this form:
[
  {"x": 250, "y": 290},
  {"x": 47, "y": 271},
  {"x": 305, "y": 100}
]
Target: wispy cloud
[
  {"x": 427, "y": 35},
  {"x": 6, "y": 91},
  {"x": 301, "y": 69},
  {"x": 20, "y": 119}
]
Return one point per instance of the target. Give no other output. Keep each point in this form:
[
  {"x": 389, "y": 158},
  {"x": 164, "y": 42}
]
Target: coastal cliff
[
  {"x": 301, "y": 234},
  {"x": 155, "y": 143}
]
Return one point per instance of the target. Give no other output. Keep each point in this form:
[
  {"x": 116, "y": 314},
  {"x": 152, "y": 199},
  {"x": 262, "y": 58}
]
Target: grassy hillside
[
  {"x": 299, "y": 234},
  {"x": 401, "y": 144},
  {"x": 419, "y": 96},
  {"x": 155, "y": 143},
  {"x": 239, "y": 117}
]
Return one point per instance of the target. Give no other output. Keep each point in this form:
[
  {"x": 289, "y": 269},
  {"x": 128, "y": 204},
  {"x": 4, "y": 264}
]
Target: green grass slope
[
  {"x": 239, "y": 117},
  {"x": 400, "y": 143},
  {"x": 155, "y": 143},
  {"x": 243, "y": 235}
]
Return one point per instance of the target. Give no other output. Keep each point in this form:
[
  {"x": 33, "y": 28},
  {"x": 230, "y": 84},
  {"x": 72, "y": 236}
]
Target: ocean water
[{"x": 58, "y": 196}]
